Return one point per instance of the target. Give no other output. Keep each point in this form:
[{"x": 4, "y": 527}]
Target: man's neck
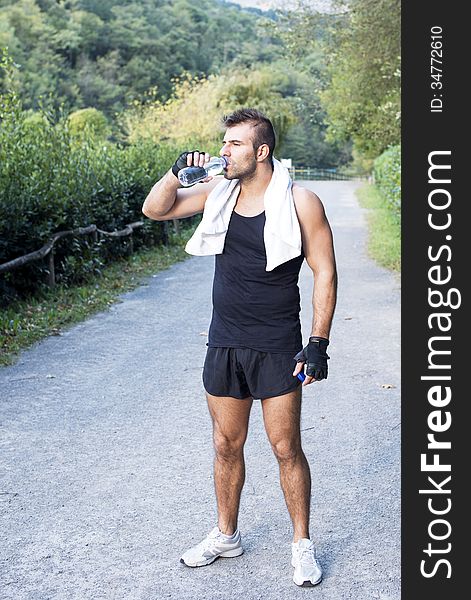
[{"x": 255, "y": 186}]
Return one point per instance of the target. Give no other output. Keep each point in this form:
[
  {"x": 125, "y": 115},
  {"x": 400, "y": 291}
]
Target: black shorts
[{"x": 243, "y": 372}]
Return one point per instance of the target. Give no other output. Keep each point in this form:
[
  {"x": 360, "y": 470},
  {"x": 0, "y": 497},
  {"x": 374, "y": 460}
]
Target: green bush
[
  {"x": 88, "y": 122},
  {"x": 49, "y": 182},
  {"x": 387, "y": 175}
]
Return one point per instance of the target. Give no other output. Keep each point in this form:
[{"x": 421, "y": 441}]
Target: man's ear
[{"x": 262, "y": 152}]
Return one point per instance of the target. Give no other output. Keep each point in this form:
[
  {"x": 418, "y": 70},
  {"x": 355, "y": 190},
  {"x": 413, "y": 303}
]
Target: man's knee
[
  {"x": 228, "y": 447},
  {"x": 287, "y": 450}
]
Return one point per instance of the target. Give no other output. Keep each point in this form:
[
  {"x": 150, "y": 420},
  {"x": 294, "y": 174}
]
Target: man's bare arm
[
  {"x": 169, "y": 200},
  {"x": 319, "y": 252}
]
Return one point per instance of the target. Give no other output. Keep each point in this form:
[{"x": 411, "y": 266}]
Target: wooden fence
[{"x": 48, "y": 249}]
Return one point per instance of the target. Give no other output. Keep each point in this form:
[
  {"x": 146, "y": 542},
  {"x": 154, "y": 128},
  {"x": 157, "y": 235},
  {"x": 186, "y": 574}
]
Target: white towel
[{"x": 282, "y": 234}]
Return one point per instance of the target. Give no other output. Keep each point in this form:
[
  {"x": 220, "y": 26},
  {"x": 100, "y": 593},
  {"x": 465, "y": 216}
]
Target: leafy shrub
[
  {"x": 387, "y": 174},
  {"x": 88, "y": 122},
  {"x": 50, "y": 182}
]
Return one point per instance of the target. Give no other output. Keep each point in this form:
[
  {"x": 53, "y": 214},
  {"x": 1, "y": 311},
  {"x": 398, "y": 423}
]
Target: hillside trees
[
  {"x": 306, "y": 35},
  {"x": 105, "y": 53},
  {"x": 351, "y": 56},
  {"x": 363, "y": 98}
]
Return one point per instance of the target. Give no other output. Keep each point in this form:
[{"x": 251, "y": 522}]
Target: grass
[
  {"x": 384, "y": 240},
  {"x": 50, "y": 311}
]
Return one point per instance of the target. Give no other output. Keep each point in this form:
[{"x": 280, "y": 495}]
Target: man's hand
[
  {"x": 315, "y": 357},
  {"x": 189, "y": 158}
]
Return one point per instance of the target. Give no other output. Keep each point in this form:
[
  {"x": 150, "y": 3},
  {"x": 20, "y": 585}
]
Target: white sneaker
[
  {"x": 212, "y": 547},
  {"x": 307, "y": 570}
]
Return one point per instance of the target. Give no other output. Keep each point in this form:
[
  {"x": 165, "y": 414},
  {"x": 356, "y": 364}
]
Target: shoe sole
[
  {"x": 307, "y": 583},
  {"x": 228, "y": 554}
]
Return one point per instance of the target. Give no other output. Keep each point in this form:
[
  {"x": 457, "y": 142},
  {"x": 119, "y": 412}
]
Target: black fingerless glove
[
  {"x": 181, "y": 163},
  {"x": 315, "y": 357}
]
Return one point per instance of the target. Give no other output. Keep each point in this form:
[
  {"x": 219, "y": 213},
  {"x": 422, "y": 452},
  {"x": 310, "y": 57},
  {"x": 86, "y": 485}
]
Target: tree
[
  {"x": 306, "y": 35},
  {"x": 25, "y": 31},
  {"x": 112, "y": 51},
  {"x": 363, "y": 98},
  {"x": 193, "y": 115}
]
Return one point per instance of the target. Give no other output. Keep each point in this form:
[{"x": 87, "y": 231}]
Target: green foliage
[
  {"x": 108, "y": 54},
  {"x": 105, "y": 53},
  {"x": 363, "y": 98},
  {"x": 305, "y": 34},
  {"x": 278, "y": 90},
  {"x": 350, "y": 56},
  {"x": 384, "y": 229},
  {"x": 305, "y": 142},
  {"x": 182, "y": 121},
  {"x": 50, "y": 183},
  {"x": 34, "y": 122},
  {"x": 88, "y": 122},
  {"x": 387, "y": 174}
]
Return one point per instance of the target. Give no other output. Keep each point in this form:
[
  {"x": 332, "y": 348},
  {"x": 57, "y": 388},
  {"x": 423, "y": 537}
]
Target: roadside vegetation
[
  {"x": 384, "y": 240},
  {"x": 383, "y": 201}
]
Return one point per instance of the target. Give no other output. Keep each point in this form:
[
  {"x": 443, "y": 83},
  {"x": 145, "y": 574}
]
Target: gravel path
[{"x": 106, "y": 457}]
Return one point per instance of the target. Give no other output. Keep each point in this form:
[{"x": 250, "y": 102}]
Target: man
[{"x": 254, "y": 341}]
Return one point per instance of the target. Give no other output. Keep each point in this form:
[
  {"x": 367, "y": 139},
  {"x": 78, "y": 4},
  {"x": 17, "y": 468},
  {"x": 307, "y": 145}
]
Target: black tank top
[{"x": 252, "y": 307}]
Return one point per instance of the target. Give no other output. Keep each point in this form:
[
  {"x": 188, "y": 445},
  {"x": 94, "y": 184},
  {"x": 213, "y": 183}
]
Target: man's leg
[
  {"x": 282, "y": 415},
  {"x": 230, "y": 418}
]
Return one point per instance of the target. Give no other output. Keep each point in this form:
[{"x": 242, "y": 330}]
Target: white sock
[{"x": 228, "y": 537}]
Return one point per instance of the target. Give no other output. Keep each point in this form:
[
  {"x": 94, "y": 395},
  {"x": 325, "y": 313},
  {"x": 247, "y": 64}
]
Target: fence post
[
  {"x": 165, "y": 233},
  {"x": 51, "y": 276}
]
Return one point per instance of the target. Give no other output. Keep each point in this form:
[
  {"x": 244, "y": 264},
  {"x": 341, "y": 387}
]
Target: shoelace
[
  {"x": 307, "y": 556},
  {"x": 210, "y": 542}
]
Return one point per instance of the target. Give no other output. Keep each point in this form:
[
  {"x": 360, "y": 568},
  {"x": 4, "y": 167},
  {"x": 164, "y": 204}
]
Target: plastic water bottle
[{"x": 190, "y": 175}]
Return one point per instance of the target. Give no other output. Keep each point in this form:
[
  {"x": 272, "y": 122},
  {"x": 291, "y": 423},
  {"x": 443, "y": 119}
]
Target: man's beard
[{"x": 241, "y": 173}]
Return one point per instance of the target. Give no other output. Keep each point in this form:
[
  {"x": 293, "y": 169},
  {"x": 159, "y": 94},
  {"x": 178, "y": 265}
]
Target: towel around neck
[{"x": 282, "y": 234}]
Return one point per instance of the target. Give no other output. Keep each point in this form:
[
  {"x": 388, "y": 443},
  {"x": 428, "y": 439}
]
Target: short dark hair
[{"x": 264, "y": 132}]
